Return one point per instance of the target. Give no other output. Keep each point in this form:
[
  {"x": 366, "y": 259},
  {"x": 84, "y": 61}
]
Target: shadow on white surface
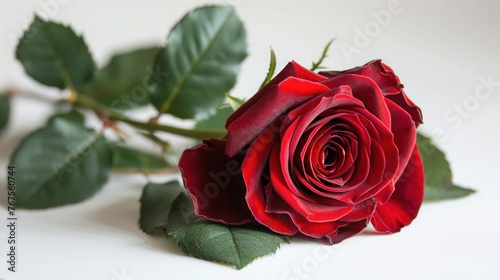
[{"x": 121, "y": 217}]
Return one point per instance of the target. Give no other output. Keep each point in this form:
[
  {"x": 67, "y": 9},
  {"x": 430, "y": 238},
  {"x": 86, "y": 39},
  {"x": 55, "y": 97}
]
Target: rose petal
[
  {"x": 340, "y": 188},
  {"x": 311, "y": 161},
  {"x": 275, "y": 204},
  {"x": 334, "y": 231},
  {"x": 292, "y": 69},
  {"x": 215, "y": 183},
  {"x": 347, "y": 231},
  {"x": 365, "y": 90},
  {"x": 298, "y": 121},
  {"x": 404, "y": 132},
  {"x": 383, "y": 160},
  {"x": 280, "y": 98},
  {"x": 361, "y": 211},
  {"x": 372, "y": 172},
  {"x": 403, "y": 205},
  {"x": 388, "y": 82},
  {"x": 311, "y": 211},
  {"x": 253, "y": 168},
  {"x": 319, "y": 104},
  {"x": 380, "y": 73}
]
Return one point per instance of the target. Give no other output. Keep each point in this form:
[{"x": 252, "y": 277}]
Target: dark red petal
[
  {"x": 374, "y": 168},
  {"x": 292, "y": 69},
  {"x": 343, "y": 187},
  {"x": 377, "y": 161},
  {"x": 333, "y": 231},
  {"x": 347, "y": 231},
  {"x": 311, "y": 211},
  {"x": 385, "y": 193},
  {"x": 253, "y": 168},
  {"x": 317, "y": 105},
  {"x": 280, "y": 98},
  {"x": 384, "y": 160},
  {"x": 362, "y": 211},
  {"x": 367, "y": 91},
  {"x": 275, "y": 204},
  {"x": 214, "y": 183},
  {"x": 404, "y": 132},
  {"x": 404, "y": 102},
  {"x": 388, "y": 82},
  {"x": 405, "y": 202},
  {"x": 299, "y": 119},
  {"x": 400, "y": 97},
  {"x": 309, "y": 166},
  {"x": 380, "y": 73}
]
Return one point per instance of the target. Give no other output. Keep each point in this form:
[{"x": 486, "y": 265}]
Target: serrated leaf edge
[{"x": 178, "y": 87}]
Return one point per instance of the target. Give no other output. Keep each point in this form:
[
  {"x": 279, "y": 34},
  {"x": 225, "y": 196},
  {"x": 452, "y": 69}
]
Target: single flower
[{"x": 321, "y": 154}]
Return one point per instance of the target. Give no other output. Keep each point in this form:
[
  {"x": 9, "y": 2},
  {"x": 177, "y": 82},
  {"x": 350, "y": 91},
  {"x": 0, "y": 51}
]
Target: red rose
[{"x": 320, "y": 154}]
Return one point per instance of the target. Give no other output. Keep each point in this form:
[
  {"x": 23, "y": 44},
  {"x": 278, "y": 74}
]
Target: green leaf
[
  {"x": 317, "y": 65},
  {"x": 4, "y": 110},
  {"x": 438, "y": 175},
  {"x": 74, "y": 117},
  {"x": 54, "y": 55},
  {"x": 234, "y": 101},
  {"x": 217, "y": 121},
  {"x": 156, "y": 201},
  {"x": 201, "y": 60},
  {"x": 272, "y": 68},
  {"x": 61, "y": 163},
  {"x": 122, "y": 84},
  {"x": 126, "y": 159},
  {"x": 233, "y": 245}
]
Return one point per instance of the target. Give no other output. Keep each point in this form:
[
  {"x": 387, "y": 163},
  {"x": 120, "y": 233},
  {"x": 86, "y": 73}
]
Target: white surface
[{"x": 439, "y": 49}]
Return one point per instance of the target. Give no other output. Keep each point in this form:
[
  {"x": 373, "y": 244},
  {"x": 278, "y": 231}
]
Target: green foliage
[
  {"x": 165, "y": 208},
  {"x": 237, "y": 246},
  {"x": 234, "y": 101},
  {"x": 217, "y": 121},
  {"x": 123, "y": 83},
  {"x": 4, "y": 110},
  {"x": 54, "y": 55},
  {"x": 317, "y": 65},
  {"x": 61, "y": 163},
  {"x": 156, "y": 201},
  {"x": 126, "y": 159},
  {"x": 438, "y": 177},
  {"x": 201, "y": 60},
  {"x": 74, "y": 117},
  {"x": 271, "y": 70}
]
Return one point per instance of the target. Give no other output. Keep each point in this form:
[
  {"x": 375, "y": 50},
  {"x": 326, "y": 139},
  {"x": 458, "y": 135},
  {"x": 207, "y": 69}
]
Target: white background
[{"x": 441, "y": 50}]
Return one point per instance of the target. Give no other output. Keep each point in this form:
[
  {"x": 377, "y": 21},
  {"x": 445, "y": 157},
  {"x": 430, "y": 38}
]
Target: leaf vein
[{"x": 177, "y": 89}]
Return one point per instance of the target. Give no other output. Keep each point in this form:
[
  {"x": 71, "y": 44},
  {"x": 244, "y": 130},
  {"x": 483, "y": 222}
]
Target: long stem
[{"x": 149, "y": 126}]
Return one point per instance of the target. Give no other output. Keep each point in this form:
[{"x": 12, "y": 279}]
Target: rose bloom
[{"x": 318, "y": 154}]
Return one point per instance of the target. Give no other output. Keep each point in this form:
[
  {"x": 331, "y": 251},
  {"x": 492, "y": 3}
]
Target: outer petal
[
  {"x": 405, "y": 202},
  {"x": 215, "y": 183},
  {"x": 404, "y": 132},
  {"x": 347, "y": 231},
  {"x": 367, "y": 91},
  {"x": 388, "y": 82},
  {"x": 279, "y": 99},
  {"x": 380, "y": 73},
  {"x": 333, "y": 231},
  {"x": 253, "y": 168},
  {"x": 275, "y": 204},
  {"x": 292, "y": 69}
]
